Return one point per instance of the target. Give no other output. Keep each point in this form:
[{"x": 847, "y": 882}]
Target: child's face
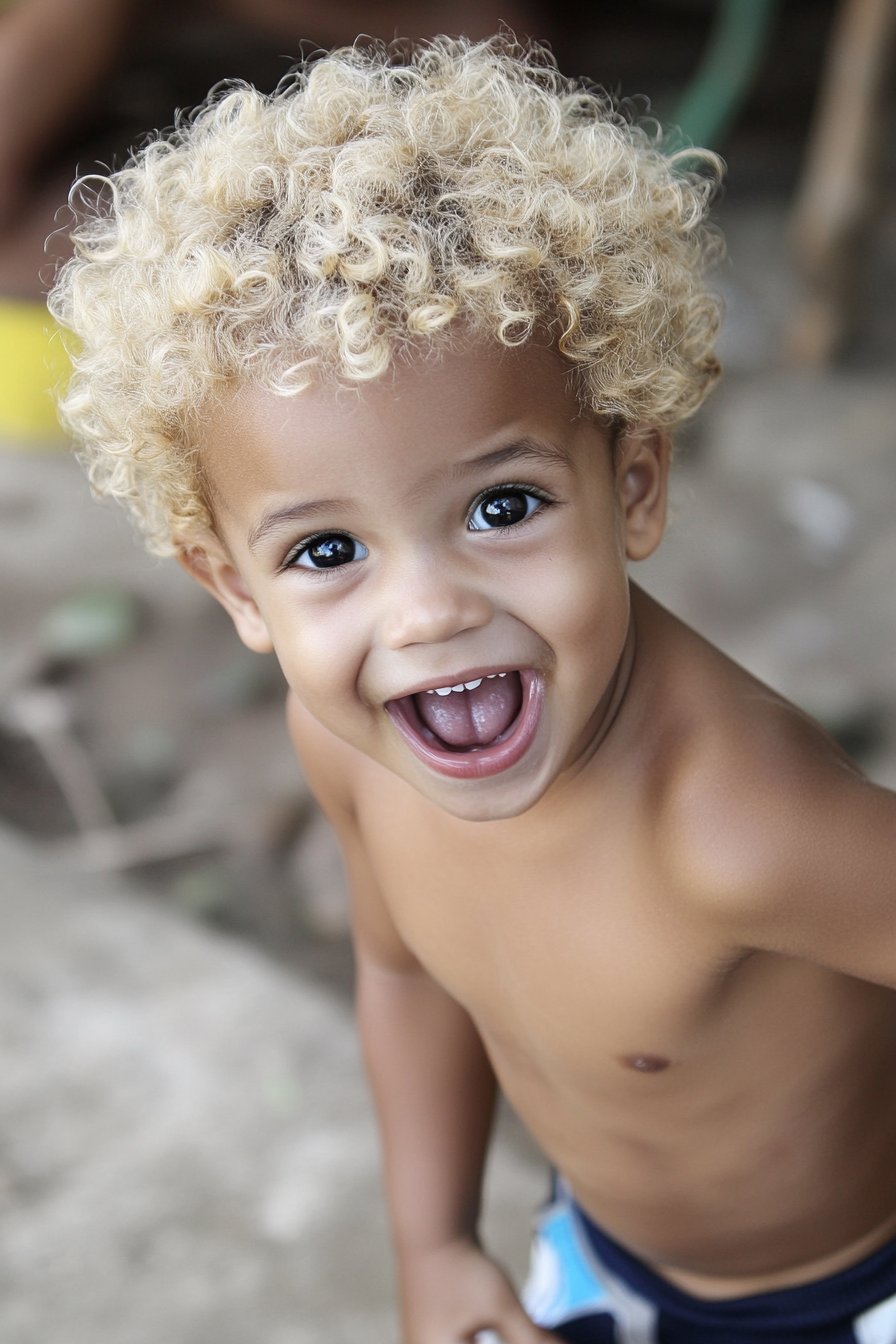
[{"x": 457, "y": 525}]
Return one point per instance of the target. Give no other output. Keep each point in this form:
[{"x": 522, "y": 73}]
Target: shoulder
[
  {"x": 755, "y": 809},
  {"x": 336, "y": 772},
  {"x": 748, "y": 787},
  {"x": 777, "y": 840},
  {"x": 331, "y": 766}
]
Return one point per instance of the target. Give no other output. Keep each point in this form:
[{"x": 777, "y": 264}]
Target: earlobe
[
  {"x": 643, "y": 478},
  {"x": 209, "y": 564}
]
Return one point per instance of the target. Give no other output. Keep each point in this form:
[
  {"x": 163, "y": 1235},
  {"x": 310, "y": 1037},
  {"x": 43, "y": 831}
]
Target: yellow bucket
[{"x": 33, "y": 365}]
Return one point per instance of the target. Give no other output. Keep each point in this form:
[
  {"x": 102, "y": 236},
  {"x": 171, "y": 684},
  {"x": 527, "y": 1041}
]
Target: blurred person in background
[{"x": 80, "y": 80}]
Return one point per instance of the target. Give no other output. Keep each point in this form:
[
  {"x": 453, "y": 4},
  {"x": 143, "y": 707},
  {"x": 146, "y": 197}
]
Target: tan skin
[{"x": 668, "y": 930}]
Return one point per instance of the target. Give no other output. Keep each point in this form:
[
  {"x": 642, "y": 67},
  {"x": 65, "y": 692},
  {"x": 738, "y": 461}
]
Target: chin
[
  {"x": 494, "y": 798},
  {"x": 488, "y": 810}
]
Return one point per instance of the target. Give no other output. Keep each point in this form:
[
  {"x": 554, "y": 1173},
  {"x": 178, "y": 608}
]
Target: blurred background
[{"x": 186, "y": 1148}]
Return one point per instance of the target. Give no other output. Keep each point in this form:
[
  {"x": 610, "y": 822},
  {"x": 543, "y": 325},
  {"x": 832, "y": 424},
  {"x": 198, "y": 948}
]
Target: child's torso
[{"x": 726, "y": 1114}]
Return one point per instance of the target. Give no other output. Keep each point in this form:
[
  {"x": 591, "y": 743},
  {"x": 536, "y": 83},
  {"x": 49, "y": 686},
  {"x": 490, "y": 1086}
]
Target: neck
[{"x": 612, "y": 702}]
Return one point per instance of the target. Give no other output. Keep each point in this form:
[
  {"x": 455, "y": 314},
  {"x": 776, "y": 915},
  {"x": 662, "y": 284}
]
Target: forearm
[{"x": 434, "y": 1091}]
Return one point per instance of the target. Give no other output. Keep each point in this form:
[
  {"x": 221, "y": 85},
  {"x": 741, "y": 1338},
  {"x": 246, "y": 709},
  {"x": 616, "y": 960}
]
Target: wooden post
[{"x": 835, "y": 194}]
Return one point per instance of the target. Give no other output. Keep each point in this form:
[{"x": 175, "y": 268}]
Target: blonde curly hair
[{"x": 367, "y": 204}]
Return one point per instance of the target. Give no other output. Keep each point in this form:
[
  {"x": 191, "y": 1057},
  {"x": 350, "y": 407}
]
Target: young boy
[{"x": 391, "y": 362}]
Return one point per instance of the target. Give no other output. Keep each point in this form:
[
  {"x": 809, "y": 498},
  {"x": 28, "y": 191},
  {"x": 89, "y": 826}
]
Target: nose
[{"x": 430, "y": 605}]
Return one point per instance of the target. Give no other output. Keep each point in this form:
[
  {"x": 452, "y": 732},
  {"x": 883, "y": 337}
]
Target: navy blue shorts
[{"x": 589, "y": 1290}]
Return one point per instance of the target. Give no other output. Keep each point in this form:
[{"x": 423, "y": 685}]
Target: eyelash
[
  {"x": 494, "y": 491},
  {"x": 305, "y": 544}
]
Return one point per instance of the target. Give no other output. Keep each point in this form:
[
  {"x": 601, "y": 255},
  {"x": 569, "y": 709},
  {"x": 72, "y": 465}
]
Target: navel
[{"x": 646, "y": 1063}]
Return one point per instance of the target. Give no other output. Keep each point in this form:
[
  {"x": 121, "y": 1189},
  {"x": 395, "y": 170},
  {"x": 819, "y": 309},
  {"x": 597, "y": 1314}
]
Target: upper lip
[{"x": 455, "y": 679}]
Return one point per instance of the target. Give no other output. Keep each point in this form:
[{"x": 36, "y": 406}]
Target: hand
[{"x": 452, "y": 1293}]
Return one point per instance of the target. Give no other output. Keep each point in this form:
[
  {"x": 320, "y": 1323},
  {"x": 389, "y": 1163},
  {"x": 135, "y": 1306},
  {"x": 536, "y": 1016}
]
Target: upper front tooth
[
  {"x": 443, "y": 690},
  {"x": 471, "y": 685},
  {"x": 502, "y": 674},
  {"x": 491, "y": 676},
  {"x": 458, "y": 687}
]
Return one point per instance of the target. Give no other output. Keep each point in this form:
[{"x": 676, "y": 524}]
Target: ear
[
  {"x": 642, "y": 484},
  {"x": 209, "y": 563}
]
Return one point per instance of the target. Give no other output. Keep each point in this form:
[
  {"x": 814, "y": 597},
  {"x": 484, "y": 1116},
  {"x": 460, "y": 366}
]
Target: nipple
[{"x": 646, "y": 1063}]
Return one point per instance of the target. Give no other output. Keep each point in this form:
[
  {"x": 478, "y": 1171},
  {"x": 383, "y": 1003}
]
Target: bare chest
[{"x": 566, "y": 950}]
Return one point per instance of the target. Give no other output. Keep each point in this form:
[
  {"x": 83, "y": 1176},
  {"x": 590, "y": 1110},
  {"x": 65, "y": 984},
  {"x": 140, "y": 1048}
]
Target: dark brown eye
[
  {"x": 330, "y": 551},
  {"x": 503, "y": 508}
]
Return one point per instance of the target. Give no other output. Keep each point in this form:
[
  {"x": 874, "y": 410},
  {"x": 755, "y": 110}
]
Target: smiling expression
[{"x": 439, "y": 560}]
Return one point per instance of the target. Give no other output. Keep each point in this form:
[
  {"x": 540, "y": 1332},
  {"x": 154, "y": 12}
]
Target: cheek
[
  {"x": 579, "y": 595},
  {"x": 320, "y": 652}
]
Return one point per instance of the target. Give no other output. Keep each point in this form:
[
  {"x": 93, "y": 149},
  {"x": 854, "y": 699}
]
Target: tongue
[{"x": 473, "y": 718}]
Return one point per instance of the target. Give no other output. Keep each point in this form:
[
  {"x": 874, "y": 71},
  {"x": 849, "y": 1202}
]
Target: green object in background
[
  {"x": 91, "y": 624},
  {"x": 246, "y": 679},
  {"x": 733, "y": 55},
  {"x": 204, "y": 890}
]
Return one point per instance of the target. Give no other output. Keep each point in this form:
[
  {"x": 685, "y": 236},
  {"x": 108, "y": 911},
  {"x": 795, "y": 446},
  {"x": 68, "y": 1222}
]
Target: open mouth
[{"x": 475, "y": 728}]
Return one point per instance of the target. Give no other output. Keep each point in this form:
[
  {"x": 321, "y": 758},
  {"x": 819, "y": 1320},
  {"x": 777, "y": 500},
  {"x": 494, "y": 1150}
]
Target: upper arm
[
  {"x": 838, "y": 883},
  {"x": 794, "y": 852},
  {"x": 333, "y": 770}
]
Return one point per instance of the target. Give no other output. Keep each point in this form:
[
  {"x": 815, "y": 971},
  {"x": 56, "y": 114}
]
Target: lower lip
[{"x": 481, "y": 762}]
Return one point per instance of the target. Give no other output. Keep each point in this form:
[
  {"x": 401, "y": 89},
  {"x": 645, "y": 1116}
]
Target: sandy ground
[
  {"x": 187, "y": 1152},
  {"x": 186, "y": 1145}
]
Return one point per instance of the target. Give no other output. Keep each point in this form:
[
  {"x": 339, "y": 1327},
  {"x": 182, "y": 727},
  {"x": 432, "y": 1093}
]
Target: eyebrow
[
  {"x": 526, "y": 449},
  {"x": 293, "y": 513}
]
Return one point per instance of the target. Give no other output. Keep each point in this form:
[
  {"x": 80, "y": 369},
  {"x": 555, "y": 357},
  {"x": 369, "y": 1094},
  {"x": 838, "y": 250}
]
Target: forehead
[{"x": 423, "y": 415}]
